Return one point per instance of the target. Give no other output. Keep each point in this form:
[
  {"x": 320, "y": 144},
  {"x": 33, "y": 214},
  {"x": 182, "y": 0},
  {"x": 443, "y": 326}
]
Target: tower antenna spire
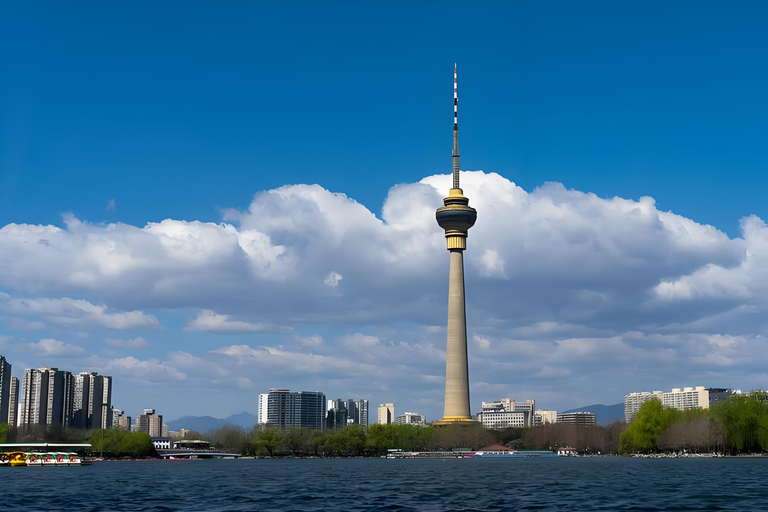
[{"x": 455, "y": 129}]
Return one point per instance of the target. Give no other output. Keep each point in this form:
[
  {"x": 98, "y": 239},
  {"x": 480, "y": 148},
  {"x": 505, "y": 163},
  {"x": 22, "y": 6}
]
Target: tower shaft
[{"x": 456, "y": 363}]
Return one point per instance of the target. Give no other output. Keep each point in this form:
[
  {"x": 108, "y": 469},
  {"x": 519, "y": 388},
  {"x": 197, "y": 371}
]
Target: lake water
[{"x": 610, "y": 483}]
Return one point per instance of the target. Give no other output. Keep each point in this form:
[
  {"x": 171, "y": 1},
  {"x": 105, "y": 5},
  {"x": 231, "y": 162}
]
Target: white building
[
  {"x": 411, "y": 418},
  {"x": 507, "y": 413},
  {"x": 633, "y": 401},
  {"x": 681, "y": 399},
  {"x": 263, "y": 407}
]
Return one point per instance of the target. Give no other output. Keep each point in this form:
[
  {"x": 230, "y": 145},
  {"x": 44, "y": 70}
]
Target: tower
[{"x": 456, "y": 217}]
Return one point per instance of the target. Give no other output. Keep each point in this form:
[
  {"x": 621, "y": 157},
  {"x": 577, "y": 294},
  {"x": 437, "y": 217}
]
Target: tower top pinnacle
[{"x": 455, "y": 129}]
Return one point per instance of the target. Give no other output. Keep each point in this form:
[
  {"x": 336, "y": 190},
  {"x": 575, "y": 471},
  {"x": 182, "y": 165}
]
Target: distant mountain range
[
  {"x": 604, "y": 414},
  {"x": 206, "y": 423}
]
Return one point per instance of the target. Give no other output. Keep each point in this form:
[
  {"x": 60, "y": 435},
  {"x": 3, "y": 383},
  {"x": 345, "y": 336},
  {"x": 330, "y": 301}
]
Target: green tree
[
  {"x": 651, "y": 421},
  {"x": 267, "y": 439},
  {"x": 3, "y": 432},
  {"x": 296, "y": 439}
]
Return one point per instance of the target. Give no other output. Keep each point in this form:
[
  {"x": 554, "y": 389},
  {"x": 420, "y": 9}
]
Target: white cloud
[
  {"x": 76, "y": 313},
  {"x": 51, "y": 347},
  {"x": 333, "y": 279},
  {"x": 208, "y": 320},
  {"x": 557, "y": 281},
  {"x": 136, "y": 370}
]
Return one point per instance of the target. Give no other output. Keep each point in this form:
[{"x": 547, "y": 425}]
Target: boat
[{"x": 53, "y": 459}]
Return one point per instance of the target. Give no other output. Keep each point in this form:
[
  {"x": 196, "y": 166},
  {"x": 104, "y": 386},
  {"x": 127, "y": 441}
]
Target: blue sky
[{"x": 117, "y": 116}]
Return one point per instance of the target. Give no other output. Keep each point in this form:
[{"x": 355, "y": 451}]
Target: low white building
[
  {"x": 411, "y": 418},
  {"x": 161, "y": 443},
  {"x": 507, "y": 413}
]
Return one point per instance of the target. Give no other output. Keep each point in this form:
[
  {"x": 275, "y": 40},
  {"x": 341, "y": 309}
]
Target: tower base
[{"x": 454, "y": 420}]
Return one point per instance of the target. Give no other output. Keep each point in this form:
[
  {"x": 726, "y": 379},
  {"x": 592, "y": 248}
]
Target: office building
[
  {"x": 411, "y": 418},
  {"x": 150, "y": 423},
  {"x": 287, "y": 409},
  {"x": 577, "y": 418},
  {"x": 356, "y": 411},
  {"x": 502, "y": 414},
  {"x": 386, "y": 414},
  {"x": 5, "y": 389},
  {"x": 719, "y": 394},
  {"x": 337, "y": 416}
]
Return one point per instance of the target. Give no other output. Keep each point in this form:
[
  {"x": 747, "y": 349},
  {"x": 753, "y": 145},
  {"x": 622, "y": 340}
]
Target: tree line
[{"x": 736, "y": 425}]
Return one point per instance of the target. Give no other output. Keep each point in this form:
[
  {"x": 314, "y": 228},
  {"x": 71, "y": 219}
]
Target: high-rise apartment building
[
  {"x": 92, "y": 401},
  {"x": 5, "y": 389},
  {"x": 46, "y": 397},
  {"x": 150, "y": 423},
  {"x": 386, "y": 413},
  {"x": 13, "y": 404},
  {"x": 287, "y": 409}
]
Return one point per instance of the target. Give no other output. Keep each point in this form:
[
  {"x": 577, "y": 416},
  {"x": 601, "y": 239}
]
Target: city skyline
[{"x": 201, "y": 201}]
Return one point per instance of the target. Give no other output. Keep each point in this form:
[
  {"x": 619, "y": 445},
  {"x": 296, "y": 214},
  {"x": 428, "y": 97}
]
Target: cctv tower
[{"x": 456, "y": 217}]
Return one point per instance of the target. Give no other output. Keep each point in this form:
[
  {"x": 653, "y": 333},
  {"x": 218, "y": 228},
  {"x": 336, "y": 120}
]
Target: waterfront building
[
  {"x": 543, "y": 417},
  {"x": 577, "y": 418},
  {"x": 411, "y": 418},
  {"x": 46, "y": 397},
  {"x": 263, "y": 408},
  {"x": 682, "y": 399},
  {"x": 161, "y": 443},
  {"x": 502, "y": 414},
  {"x": 5, "y": 389},
  {"x": 164, "y": 431},
  {"x": 456, "y": 217},
  {"x": 13, "y": 403},
  {"x": 386, "y": 413},
  {"x": 287, "y": 409},
  {"x": 507, "y": 412},
  {"x": 150, "y": 423},
  {"x": 92, "y": 401}
]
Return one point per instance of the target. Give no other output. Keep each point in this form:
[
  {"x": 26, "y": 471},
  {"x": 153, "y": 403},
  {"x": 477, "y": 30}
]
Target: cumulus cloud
[
  {"x": 208, "y": 320},
  {"x": 562, "y": 285},
  {"x": 51, "y": 347},
  {"x": 75, "y": 313}
]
